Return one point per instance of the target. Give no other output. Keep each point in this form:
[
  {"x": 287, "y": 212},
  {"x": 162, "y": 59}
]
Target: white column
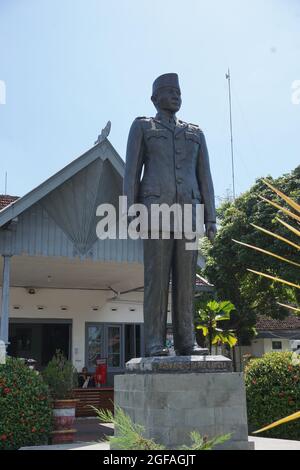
[{"x": 5, "y": 299}]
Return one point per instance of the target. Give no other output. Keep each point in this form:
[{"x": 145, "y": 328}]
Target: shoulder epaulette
[
  {"x": 142, "y": 117},
  {"x": 195, "y": 126}
]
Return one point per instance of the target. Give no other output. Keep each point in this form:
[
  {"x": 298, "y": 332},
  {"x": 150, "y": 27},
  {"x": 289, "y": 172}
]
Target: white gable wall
[{"x": 79, "y": 305}]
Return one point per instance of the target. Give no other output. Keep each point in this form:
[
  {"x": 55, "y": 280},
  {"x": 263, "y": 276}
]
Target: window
[
  {"x": 39, "y": 340},
  {"x": 276, "y": 345},
  {"x": 118, "y": 343},
  {"x": 132, "y": 341},
  {"x": 114, "y": 346},
  {"x": 95, "y": 345},
  {"x": 24, "y": 339},
  {"x": 103, "y": 342},
  {"x": 138, "y": 341}
]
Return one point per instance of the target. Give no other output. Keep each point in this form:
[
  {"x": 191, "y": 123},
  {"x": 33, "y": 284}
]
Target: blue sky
[{"x": 71, "y": 65}]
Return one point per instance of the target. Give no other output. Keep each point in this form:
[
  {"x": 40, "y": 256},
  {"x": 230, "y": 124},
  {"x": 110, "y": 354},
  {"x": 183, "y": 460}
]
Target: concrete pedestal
[{"x": 171, "y": 397}]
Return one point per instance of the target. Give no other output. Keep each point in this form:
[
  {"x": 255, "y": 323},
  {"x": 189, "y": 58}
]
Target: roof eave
[{"x": 17, "y": 207}]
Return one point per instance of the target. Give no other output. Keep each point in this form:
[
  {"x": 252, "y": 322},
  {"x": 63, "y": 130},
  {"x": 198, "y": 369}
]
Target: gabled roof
[
  {"x": 265, "y": 323},
  {"x": 5, "y": 200},
  {"x": 103, "y": 150},
  {"x": 202, "y": 282}
]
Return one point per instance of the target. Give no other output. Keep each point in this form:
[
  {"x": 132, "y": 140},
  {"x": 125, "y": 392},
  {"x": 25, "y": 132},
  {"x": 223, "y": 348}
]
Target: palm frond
[
  {"x": 283, "y": 196},
  {"x": 288, "y": 226},
  {"x": 290, "y": 307},
  {"x": 279, "y": 237},
  {"x": 278, "y": 206},
  {"x": 269, "y": 253},
  {"x": 277, "y": 279},
  {"x": 288, "y": 419}
]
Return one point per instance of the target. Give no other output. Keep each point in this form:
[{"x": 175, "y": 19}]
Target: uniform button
[
  {"x": 178, "y": 167},
  {"x": 179, "y": 180},
  {"x": 178, "y": 151}
]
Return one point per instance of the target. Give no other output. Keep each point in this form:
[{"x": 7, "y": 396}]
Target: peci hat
[{"x": 168, "y": 79}]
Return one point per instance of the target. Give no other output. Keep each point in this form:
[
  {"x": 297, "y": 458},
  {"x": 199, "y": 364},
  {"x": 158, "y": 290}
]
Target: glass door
[
  {"x": 118, "y": 343},
  {"x": 95, "y": 348},
  {"x": 104, "y": 341},
  {"x": 114, "y": 356}
]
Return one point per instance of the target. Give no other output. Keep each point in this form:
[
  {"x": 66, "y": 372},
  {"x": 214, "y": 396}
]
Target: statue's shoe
[
  {"x": 158, "y": 352},
  {"x": 194, "y": 351}
]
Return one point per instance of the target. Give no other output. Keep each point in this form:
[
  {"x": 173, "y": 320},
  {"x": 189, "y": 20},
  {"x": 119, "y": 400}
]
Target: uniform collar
[{"x": 165, "y": 118}]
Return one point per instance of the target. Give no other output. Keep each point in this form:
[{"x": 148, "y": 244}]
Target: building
[
  {"x": 276, "y": 335},
  {"x": 272, "y": 336},
  {"x": 62, "y": 287}
]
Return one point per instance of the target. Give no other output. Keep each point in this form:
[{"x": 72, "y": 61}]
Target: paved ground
[
  {"x": 90, "y": 430},
  {"x": 90, "y": 434},
  {"x": 260, "y": 444},
  {"x": 274, "y": 444},
  {"x": 75, "y": 446}
]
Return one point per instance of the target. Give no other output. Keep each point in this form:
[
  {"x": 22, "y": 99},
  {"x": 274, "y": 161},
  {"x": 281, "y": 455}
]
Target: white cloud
[
  {"x": 296, "y": 92},
  {"x": 2, "y": 92}
]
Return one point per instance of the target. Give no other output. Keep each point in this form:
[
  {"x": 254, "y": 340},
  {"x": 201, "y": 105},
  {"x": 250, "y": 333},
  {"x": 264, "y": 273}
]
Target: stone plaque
[{"x": 179, "y": 364}]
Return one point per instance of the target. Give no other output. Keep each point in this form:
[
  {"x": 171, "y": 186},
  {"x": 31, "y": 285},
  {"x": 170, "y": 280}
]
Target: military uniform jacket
[{"x": 175, "y": 162}]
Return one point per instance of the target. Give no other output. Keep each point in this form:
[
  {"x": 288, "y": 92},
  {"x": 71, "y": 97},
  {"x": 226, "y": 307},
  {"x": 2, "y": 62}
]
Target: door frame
[
  {"x": 49, "y": 321},
  {"x": 105, "y": 326}
]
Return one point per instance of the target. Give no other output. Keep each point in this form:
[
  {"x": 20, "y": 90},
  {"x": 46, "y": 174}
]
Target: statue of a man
[{"x": 174, "y": 159}]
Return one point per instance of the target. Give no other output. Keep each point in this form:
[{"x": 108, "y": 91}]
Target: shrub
[
  {"x": 131, "y": 436},
  {"x": 273, "y": 392},
  {"x": 25, "y": 408},
  {"x": 61, "y": 377}
]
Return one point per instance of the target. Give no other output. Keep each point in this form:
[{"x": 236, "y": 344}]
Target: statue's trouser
[{"x": 162, "y": 258}]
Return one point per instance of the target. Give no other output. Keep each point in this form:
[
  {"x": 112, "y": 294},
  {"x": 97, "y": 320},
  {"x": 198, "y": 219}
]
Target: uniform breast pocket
[
  {"x": 192, "y": 141},
  {"x": 148, "y": 192},
  {"x": 149, "y": 189},
  {"x": 156, "y": 139}
]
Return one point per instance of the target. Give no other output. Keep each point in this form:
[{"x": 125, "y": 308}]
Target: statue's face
[{"x": 168, "y": 99}]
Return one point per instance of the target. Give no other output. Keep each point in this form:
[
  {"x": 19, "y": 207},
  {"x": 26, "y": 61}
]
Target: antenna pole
[{"x": 228, "y": 77}]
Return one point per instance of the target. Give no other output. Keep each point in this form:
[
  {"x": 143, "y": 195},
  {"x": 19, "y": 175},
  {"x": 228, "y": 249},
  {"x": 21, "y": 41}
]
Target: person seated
[{"x": 85, "y": 380}]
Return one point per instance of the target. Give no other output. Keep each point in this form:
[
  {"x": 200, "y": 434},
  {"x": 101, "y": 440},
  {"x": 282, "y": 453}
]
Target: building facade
[
  {"x": 272, "y": 336},
  {"x": 62, "y": 287}
]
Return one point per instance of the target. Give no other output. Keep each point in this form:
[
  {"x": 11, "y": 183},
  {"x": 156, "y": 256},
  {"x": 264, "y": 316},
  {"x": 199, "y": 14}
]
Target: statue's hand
[{"x": 210, "y": 230}]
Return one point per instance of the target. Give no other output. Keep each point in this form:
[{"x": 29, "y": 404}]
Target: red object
[
  {"x": 101, "y": 372},
  {"x": 64, "y": 417}
]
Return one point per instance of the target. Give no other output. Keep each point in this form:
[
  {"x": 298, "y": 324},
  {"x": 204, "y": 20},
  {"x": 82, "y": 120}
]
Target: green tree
[
  {"x": 292, "y": 210},
  {"x": 211, "y": 316},
  {"x": 228, "y": 263},
  {"x": 61, "y": 377}
]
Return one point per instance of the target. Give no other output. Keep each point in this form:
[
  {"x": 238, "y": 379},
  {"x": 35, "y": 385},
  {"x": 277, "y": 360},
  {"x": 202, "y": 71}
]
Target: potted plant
[{"x": 61, "y": 378}]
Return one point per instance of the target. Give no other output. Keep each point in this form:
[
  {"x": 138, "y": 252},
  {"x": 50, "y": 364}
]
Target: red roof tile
[
  {"x": 290, "y": 323},
  {"x": 5, "y": 200},
  {"x": 202, "y": 282}
]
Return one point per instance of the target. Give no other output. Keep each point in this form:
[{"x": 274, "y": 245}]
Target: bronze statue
[{"x": 174, "y": 157}]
